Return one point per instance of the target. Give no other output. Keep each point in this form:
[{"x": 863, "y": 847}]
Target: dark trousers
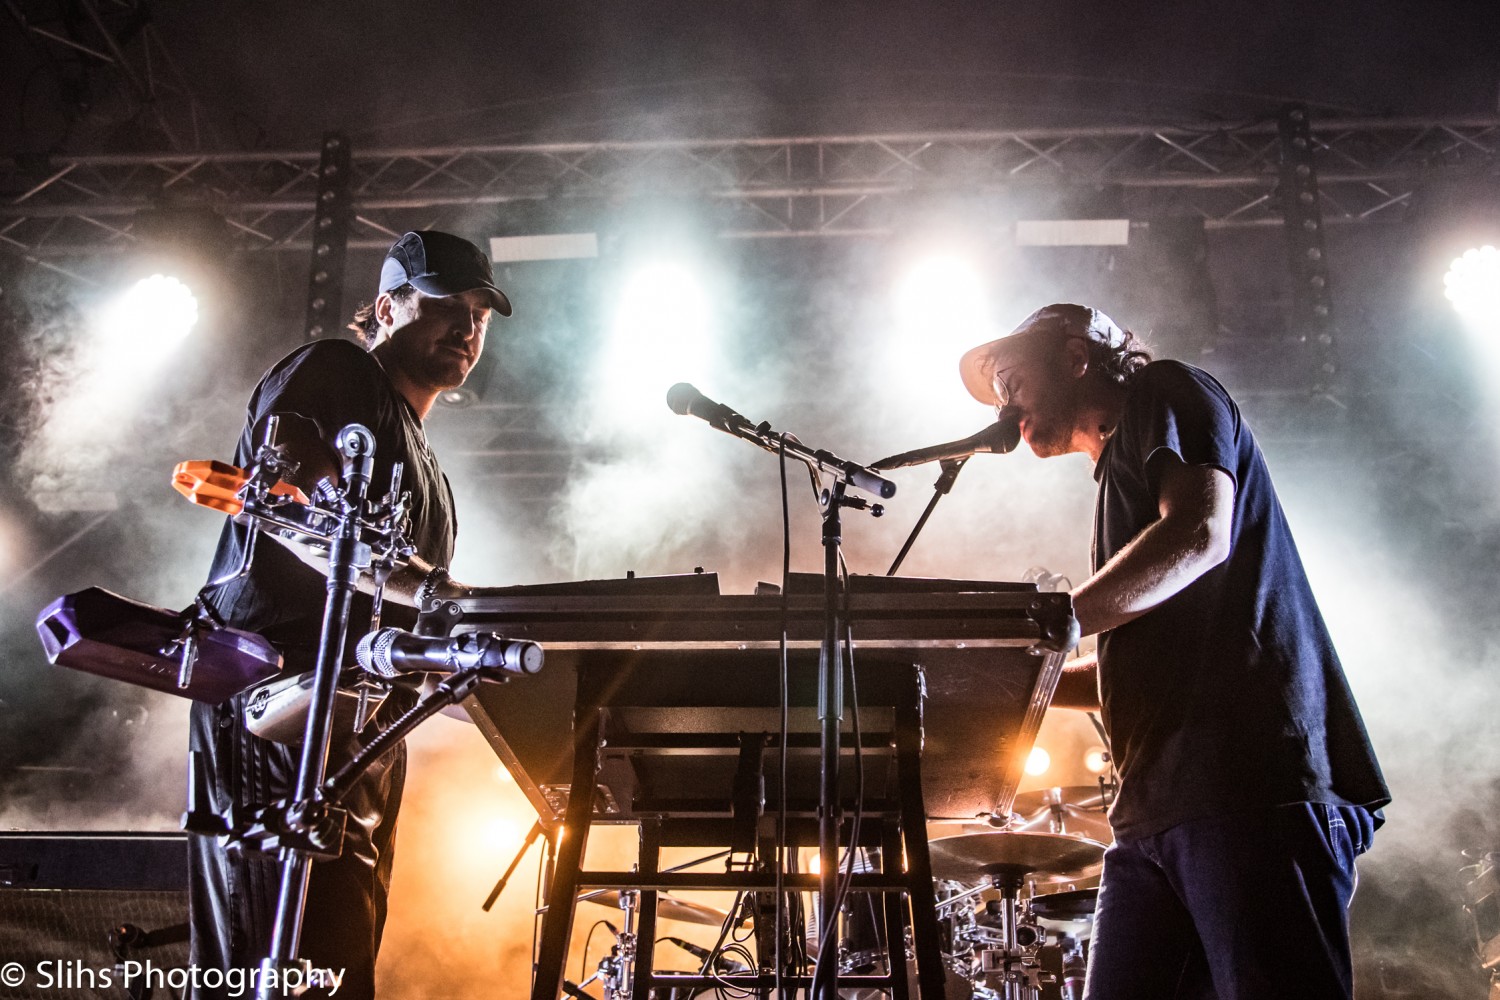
[
  {"x": 233, "y": 894},
  {"x": 1250, "y": 906}
]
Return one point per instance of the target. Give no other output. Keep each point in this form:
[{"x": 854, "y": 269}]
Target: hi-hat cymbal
[
  {"x": 1045, "y": 857},
  {"x": 668, "y": 908},
  {"x": 1075, "y": 809}
]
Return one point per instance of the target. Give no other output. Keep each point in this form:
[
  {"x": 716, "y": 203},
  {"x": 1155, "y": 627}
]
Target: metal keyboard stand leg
[
  {"x": 928, "y": 945},
  {"x": 899, "y": 827},
  {"x": 562, "y": 898},
  {"x": 645, "y": 952}
]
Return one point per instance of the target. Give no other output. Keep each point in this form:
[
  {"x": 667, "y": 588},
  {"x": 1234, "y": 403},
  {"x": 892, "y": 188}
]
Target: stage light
[
  {"x": 505, "y": 834},
  {"x": 1038, "y": 761},
  {"x": 1472, "y": 284},
  {"x": 942, "y": 296},
  {"x": 146, "y": 323},
  {"x": 939, "y": 309},
  {"x": 662, "y": 333},
  {"x": 1096, "y": 760}
]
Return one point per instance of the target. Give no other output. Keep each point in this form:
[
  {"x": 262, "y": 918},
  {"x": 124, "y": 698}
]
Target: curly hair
[
  {"x": 364, "y": 322},
  {"x": 1112, "y": 362},
  {"x": 1116, "y": 364}
]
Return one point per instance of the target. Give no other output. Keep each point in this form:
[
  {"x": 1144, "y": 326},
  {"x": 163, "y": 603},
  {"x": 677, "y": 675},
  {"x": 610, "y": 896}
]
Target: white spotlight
[
  {"x": 1472, "y": 284},
  {"x": 145, "y": 323},
  {"x": 942, "y": 296},
  {"x": 940, "y": 309},
  {"x": 1038, "y": 761},
  {"x": 663, "y": 333}
]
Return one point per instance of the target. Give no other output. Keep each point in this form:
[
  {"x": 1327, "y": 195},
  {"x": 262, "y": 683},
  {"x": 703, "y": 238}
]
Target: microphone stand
[
  {"x": 531, "y": 835},
  {"x": 347, "y": 556},
  {"x": 951, "y": 468},
  {"x": 833, "y": 500}
]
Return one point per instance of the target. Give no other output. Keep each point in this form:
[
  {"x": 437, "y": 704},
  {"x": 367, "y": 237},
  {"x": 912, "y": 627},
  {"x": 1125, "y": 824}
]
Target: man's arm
[
  {"x": 1078, "y": 687},
  {"x": 316, "y": 461},
  {"x": 1190, "y": 538}
]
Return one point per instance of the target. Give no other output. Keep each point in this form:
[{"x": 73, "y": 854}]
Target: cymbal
[
  {"x": 1076, "y": 809},
  {"x": 669, "y": 908},
  {"x": 1046, "y": 857}
]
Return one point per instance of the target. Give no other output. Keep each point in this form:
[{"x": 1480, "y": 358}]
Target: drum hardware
[
  {"x": 1078, "y": 809},
  {"x": 1077, "y": 904},
  {"x": 614, "y": 969},
  {"x": 999, "y": 944}
]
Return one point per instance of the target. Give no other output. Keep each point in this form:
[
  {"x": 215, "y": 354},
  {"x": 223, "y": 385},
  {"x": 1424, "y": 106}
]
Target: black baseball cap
[{"x": 440, "y": 264}]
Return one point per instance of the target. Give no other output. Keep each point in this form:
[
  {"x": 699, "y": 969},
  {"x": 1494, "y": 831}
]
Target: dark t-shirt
[
  {"x": 330, "y": 383},
  {"x": 1229, "y": 695}
]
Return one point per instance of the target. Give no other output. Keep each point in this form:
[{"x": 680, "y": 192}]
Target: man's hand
[
  {"x": 316, "y": 460},
  {"x": 1190, "y": 538}
]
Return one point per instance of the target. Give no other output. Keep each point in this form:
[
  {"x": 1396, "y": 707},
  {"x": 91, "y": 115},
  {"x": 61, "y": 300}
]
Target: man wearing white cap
[{"x": 1247, "y": 782}]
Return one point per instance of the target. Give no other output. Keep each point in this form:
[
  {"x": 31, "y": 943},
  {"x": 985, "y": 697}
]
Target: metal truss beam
[
  {"x": 820, "y": 186},
  {"x": 115, "y": 42}
]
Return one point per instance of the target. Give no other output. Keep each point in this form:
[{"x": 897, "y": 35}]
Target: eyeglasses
[
  {"x": 1000, "y": 388},
  {"x": 999, "y": 381}
]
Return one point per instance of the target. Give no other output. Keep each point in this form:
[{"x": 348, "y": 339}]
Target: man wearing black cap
[
  {"x": 1247, "y": 783},
  {"x": 422, "y": 335}
]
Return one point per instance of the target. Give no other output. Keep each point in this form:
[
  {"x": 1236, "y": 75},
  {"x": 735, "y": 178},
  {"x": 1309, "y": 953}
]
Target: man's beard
[{"x": 1050, "y": 427}]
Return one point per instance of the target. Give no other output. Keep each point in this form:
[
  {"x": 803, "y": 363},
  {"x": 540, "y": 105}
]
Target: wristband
[{"x": 427, "y": 589}]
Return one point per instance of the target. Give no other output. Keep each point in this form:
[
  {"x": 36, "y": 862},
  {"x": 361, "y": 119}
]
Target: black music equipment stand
[{"x": 670, "y": 685}]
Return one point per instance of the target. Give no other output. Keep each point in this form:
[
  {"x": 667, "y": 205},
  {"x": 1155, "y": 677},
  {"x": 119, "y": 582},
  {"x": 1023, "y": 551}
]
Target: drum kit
[
  {"x": 1014, "y": 910},
  {"x": 1016, "y": 923}
]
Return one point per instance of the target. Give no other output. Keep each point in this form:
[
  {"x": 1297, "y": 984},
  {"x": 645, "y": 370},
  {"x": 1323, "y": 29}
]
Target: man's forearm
[
  {"x": 403, "y": 584},
  {"x": 1079, "y": 685},
  {"x": 1157, "y": 564},
  {"x": 1191, "y": 537}
]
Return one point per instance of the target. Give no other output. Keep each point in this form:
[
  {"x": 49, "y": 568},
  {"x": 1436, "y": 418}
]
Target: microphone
[
  {"x": 391, "y": 652},
  {"x": 686, "y": 401},
  {"x": 997, "y": 439}
]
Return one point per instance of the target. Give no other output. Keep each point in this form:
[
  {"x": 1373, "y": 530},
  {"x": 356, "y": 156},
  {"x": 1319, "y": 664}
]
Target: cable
[
  {"x": 783, "y": 911},
  {"x": 583, "y": 966},
  {"x": 707, "y": 969},
  {"x": 859, "y": 758}
]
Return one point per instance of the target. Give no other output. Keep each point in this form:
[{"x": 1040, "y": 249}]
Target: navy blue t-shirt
[
  {"x": 330, "y": 384},
  {"x": 1229, "y": 695}
]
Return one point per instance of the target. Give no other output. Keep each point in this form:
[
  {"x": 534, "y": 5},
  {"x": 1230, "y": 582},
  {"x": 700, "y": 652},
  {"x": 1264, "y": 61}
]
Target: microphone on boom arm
[
  {"x": 997, "y": 439},
  {"x": 391, "y": 652}
]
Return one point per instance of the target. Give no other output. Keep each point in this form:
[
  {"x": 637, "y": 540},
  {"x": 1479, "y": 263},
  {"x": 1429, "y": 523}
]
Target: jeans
[{"x": 1249, "y": 906}]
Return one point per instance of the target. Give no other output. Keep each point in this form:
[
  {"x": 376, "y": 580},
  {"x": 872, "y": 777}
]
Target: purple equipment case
[{"x": 103, "y": 633}]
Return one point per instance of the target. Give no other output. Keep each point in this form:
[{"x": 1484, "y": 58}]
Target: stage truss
[{"x": 821, "y": 186}]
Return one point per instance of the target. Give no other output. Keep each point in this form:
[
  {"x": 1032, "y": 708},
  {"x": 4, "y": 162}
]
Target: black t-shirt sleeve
[
  {"x": 330, "y": 384},
  {"x": 1176, "y": 411}
]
